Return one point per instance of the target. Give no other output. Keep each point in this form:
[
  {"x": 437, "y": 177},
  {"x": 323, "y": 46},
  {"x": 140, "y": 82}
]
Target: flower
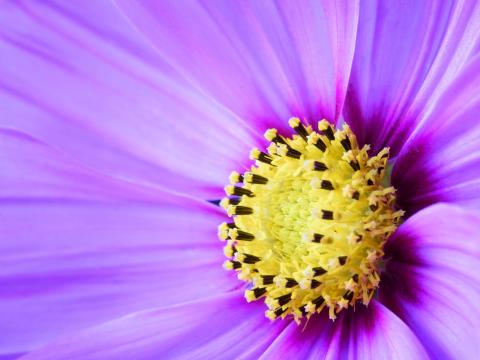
[{"x": 120, "y": 120}]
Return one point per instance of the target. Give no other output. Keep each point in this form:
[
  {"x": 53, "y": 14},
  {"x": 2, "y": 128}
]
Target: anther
[
  {"x": 342, "y": 260},
  {"x": 273, "y": 136},
  {"x": 239, "y": 210},
  {"x": 319, "y": 166},
  {"x": 346, "y": 143},
  {"x": 327, "y": 215},
  {"x": 238, "y": 191},
  {"x": 298, "y": 127},
  {"x": 317, "y": 271},
  {"x": 317, "y": 238},
  {"x": 314, "y": 284},
  {"x": 248, "y": 259},
  {"x": 290, "y": 283},
  {"x": 259, "y": 292},
  {"x": 255, "y": 293},
  {"x": 326, "y": 185},
  {"x": 237, "y": 234},
  {"x": 284, "y": 299},
  {"x": 318, "y": 301},
  {"x": 315, "y": 139},
  {"x": 267, "y": 279},
  {"x": 354, "y": 165},
  {"x": 348, "y": 295},
  {"x": 325, "y": 127},
  {"x": 286, "y": 150},
  {"x": 279, "y": 311},
  {"x": 255, "y": 179},
  {"x": 256, "y": 154}
]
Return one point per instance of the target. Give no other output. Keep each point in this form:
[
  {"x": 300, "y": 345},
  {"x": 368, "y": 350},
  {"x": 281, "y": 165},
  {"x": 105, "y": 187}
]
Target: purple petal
[
  {"x": 84, "y": 81},
  {"x": 306, "y": 341},
  {"x": 32, "y": 169},
  {"x": 442, "y": 160},
  {"x": 432, "y": 281},
  {"x": 264, "y": 61},
  {"x": 407, "y": 52},
  {"x": 367, "y": 333},
  {"x": 223, "y": 327},
  {"x": 71, "y": 264}
]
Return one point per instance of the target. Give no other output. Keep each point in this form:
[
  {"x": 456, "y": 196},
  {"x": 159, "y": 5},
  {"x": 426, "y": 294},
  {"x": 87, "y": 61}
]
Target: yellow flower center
[{"x": 310, "y": 219}]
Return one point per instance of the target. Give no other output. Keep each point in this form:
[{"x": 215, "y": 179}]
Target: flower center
[{"x": 310, "y": 219}]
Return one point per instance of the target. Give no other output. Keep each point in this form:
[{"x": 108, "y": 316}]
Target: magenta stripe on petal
[
  {"x": 366, "y": 333},
  {"x": 441, "y": 162},
  {"x": 407, "y": 52},
  {"x": 432, "y": 280}
]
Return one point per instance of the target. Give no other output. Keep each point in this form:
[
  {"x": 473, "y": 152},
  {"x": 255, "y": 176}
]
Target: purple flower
[{"x": 119, "y": 120}]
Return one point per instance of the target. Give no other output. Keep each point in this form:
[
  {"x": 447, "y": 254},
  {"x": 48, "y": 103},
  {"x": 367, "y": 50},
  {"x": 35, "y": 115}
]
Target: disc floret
[{"x": 310, "y": 219}]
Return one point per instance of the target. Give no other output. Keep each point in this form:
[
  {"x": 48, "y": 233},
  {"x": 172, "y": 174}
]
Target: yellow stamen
[{"x": 310, "y": 221}]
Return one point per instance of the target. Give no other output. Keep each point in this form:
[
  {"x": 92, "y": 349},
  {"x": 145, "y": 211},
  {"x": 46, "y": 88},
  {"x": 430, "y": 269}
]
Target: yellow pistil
[{"x": 310, "y": 219}]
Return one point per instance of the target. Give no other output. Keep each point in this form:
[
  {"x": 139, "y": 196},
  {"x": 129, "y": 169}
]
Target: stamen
[
  {"x": 255, "y": 178},
  {"x": 235, "y": 177},
  {"x": 301, "y": 130},
  {"x": 327, "y": 215},
  {"x": 319, "y": 166},
  {"x": 236, "y": 234},
  {"x": 326, "y": 185},
  {"x": 272, "y": 135},
  {"x": 239, "y": 191},
  {"x": 291, "y": 283},
  {"x": 256, "y": 154},
  {"x": 267, "y": 279},
  {"x": 310, "y": 221},
  {"x": 325, "y": 127},
  {"x": 316, "y": 140},
  {"x": 317, "y": 238},
  {"x": 239, "y": 210}
]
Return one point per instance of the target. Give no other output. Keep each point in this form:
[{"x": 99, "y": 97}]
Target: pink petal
[
  {"x": 407, "y": 52},
  {"x": 367, "y": 333},
  {"x": 432, "y": 281},
  {"x": 81, "y": 79},
  {"x": 70, "y": 264},
  {"x": 32, "y": 169},
  {"x": 223, "y": 327},
  {"x": 441, "y": 162},
  {"x": 264, "y": 61}
]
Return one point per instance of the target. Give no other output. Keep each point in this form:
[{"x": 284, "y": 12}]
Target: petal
[
  {"x": 32, "y": 169},
  {"x": 407, "y": 52},
  {"x": 367, "y": 333},
  {"x": 223, "y": 327},
  {"x": 101, "y": 94},
  {"x": 432, "y": 281},
  {"x": 307, "y": 341},
  {"x": 265, "y": 61},
  {"x": 69, "y": 264},
  {"x": 441, "y": 162}
]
